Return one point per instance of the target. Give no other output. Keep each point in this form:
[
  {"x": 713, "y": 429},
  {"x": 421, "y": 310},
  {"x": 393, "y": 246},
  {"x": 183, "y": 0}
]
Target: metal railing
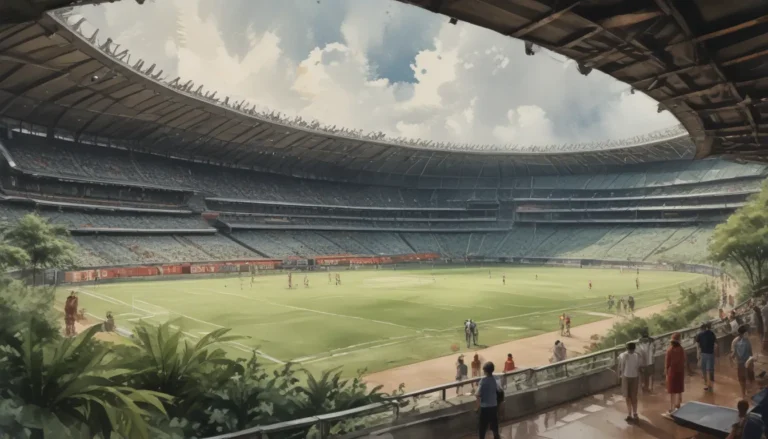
[{"x": 518, "y": 381}]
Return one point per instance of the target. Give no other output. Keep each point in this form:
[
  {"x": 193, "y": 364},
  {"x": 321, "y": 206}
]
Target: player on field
[
  {"x": 562, "y": 324},
  {"x": 290, "y": 280},
  {"x": 329, "y": 278},
  {"x": 637, "y": 283},
  {"x": 468, "y": 333},
  {"x": 489, "y": 274},
  {"x": 306, "y": 281},
  {"x": 590, "y": 284},
  {"x": 504, "y": 279},
  {"x": 631, "y": 304}
]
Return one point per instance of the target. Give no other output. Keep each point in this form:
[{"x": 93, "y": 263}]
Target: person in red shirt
[{"x": 509, "y": 366}]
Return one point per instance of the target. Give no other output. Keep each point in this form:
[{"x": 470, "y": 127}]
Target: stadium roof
[
  {"x": 60, "y": 81},
  {"x": 705, "y": 61}
]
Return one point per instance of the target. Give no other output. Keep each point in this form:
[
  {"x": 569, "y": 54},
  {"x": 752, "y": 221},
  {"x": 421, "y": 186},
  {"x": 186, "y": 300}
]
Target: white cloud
[{"x": 469, "y": 85}]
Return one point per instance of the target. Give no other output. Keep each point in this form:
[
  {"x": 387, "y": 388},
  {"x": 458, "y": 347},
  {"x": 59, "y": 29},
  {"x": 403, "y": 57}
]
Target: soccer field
[{"x": 377, "y": 319}]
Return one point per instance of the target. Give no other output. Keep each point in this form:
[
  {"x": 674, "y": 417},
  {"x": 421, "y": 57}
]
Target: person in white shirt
[
  {"x": 629, "y": 372},
  {"x": 647, "y": 352},
  {"x": 559, "y": 352}
]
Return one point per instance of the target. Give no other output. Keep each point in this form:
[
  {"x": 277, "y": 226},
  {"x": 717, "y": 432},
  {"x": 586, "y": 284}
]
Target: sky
[{"x": 377, "y": 66}]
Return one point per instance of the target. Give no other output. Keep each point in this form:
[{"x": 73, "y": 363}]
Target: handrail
[{"x": 531, "y": 377}]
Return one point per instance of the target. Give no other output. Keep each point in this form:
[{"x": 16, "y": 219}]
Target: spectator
[
  {"x": 674, "y": 365},
  {"x": 707, "y": 343},
  {"x": 764, "y": 315},
  {"x": 488, "y": 402},
  {"x": 741, "y": 353},
  {"x": 559, "y": 352},
  {"x": 757, "y": 317},
  {"x": 461, "y": 372},
  {"x": 475, "y": 368},
  {"x": 629, "y": 372},
  {"x": 509, "y": 366},
  {"x": 647, "y": 352},
  {"x": 738, "y": 430}
]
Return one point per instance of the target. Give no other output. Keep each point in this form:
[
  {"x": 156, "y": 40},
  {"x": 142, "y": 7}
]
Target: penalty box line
[
  {"x": 150, "y": 315},
  {"x": 299, "y": 308},
  {"x": 239, "y": 346}
]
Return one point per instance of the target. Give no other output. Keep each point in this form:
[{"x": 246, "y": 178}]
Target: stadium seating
[
  {"x": 218, "y": 247},
  {"x": 278, "y": 216},
  {"x": 64, "y": 158},
  {"x": 92, "y": 219}
]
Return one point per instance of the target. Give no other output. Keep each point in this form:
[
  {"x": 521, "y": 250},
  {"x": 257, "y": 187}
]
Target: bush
[{"x": 693, "y": 304}]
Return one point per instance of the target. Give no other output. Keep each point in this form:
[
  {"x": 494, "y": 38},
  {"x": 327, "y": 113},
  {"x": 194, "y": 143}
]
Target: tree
[
  {"x": 45, "y": 244},
  {"x": 743, "y": 239}
]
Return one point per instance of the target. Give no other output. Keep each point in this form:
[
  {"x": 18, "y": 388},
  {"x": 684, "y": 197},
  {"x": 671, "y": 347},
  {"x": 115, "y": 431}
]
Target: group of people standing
[
  {"x": 490, "y": 391},
  {"x": 622, "y": 305}
]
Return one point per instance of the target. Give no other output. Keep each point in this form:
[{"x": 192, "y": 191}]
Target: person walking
[
  {"x": 647, "y": 351},
  {"x": 629, "y": 372},
  {"x": 488, "y": 403},
  {"x": 475, "y": 368},
  {"x": 674, "y": 365},
  {"x": 559, "y": 352},
  {"x": 562, "y": 324},
  {"x": 461, "y": 372},
  {"x": 509, "y": 366},
  {"x": 741, "y": 353},
  {"x": 475, "y": 331},
  {"x": 707, "y": 342},
  {"x": 757, "y": 317}
]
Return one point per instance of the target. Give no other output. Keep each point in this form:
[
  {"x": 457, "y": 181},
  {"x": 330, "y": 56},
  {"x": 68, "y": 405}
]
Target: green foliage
[
  {"x": 692, "y": 305},
  {"x": 12, "y": 256},
  {"x": 46, "y": 245},
  {"x": 743, "y": 239},
  {"x": 26, "y": 308},
  {"x": 71, "y": 388}
]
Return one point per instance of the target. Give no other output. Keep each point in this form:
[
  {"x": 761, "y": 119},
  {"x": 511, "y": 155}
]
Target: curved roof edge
[
  {"x": 64, "y": 85},
  {"x": 110, "y": 49}
]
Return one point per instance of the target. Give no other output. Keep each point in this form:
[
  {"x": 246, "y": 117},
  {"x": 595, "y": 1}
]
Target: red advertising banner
[
  {"x": 232, "y": 267},
  {"x": 166, "y": 270},
  {"x": 373, "y": 260}
]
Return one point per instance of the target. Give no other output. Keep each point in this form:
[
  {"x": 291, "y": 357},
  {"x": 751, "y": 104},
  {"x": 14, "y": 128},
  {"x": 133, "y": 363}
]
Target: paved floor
[{"x": 602, "y": 416}]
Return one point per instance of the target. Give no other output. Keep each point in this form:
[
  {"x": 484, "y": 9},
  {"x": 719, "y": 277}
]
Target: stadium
[{"x": 326, "y": 247}]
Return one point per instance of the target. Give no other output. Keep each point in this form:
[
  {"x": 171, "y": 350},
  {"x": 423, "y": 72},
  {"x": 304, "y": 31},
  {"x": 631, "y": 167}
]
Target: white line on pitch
[
  {"x": 298, "y": 308},
  {"x": 238, "y": 346}
]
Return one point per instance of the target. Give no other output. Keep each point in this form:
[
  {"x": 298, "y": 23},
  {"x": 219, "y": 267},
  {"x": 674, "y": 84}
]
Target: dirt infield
[{"x": 528, "y": 352}]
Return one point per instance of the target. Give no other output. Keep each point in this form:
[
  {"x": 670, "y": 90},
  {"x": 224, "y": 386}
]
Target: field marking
[
  {"x": 298, "y": 308},
  {"x": 341, "y": 354},
  {"x": 238, "y": 346}
]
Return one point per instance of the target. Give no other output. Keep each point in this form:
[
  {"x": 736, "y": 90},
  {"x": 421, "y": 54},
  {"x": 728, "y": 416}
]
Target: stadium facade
[{"x": 148, "y": 172}]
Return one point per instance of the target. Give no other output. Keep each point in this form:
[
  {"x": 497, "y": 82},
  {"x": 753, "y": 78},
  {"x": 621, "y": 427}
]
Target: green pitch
[{"x": 377, "y": 319}]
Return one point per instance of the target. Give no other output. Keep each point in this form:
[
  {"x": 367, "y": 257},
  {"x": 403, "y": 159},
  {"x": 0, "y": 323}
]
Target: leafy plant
[
  {"x": 72, "y": 388},
  {"x": 693, "y": 303},
  {"x": 46, "y": 245},
  {"x": 743, "y": 239}
]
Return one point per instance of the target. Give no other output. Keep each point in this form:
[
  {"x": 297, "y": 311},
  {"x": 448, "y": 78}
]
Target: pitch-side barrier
[{"x": 527, "y": 391}]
